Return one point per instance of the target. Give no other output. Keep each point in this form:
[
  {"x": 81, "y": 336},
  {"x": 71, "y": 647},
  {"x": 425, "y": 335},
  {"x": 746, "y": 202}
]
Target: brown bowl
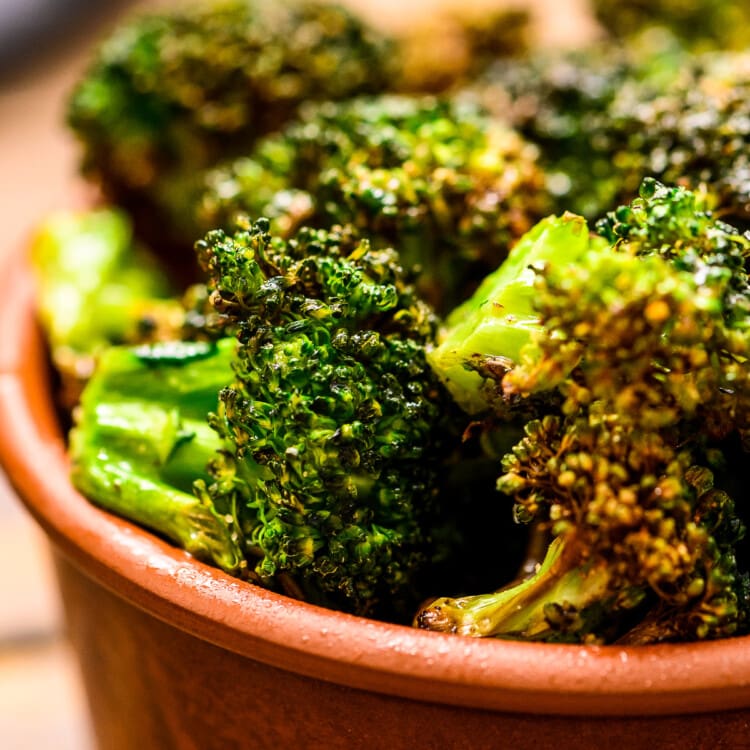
[{"x": 176, "y": 654}]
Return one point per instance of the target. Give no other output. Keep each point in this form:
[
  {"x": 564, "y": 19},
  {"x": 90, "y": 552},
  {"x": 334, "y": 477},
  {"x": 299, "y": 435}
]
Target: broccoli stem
[
  {"x": 499, "y": 321},
  {"x": 564, "y": 584},
  {"x": 142, "y": 441}
]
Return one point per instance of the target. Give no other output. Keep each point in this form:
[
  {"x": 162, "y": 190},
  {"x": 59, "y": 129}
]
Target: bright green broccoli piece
[
  {"x": 176, "y": 91},
  {"x": 440, "y": 181},
  {"x": 488, "y": 332},
  {"x": 95, "y": 287},
  {"x": 646, "y": 345},
  {"x": 142, "y": 443}
]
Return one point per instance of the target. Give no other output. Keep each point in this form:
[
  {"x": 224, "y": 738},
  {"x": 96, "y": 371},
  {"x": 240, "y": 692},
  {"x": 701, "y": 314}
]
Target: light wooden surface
[{"x": 41, "y": 700}]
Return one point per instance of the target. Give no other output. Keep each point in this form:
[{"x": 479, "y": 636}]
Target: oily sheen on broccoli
[
  {"x": 646, "y": 342},
  {"x": 322, "y": 457},
  {"x": 142, "y": 443},
  {"x": 440, "y": 181},
  {"x": 333, "y": 414}
]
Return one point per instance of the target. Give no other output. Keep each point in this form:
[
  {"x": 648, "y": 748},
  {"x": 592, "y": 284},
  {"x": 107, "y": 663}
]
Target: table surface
[{"x": 38, "y": 160}]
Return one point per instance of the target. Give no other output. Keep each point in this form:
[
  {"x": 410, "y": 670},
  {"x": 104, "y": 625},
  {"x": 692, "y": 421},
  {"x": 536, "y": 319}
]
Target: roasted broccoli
[
  {"x": 605, "y": 119},
  {"x": 702, "y": 24},
  {"x": 142, "y": 442},
  {"x": 556, "y": 101},
  {"x": 96, "y": 287},
  {"x": 177, "y": 91},
  {"x": 301, "y": 418},
  {"x": 645, "y": 338},
  {"x": 322, "y": 466},
  {"x": 448, "y": 187}
]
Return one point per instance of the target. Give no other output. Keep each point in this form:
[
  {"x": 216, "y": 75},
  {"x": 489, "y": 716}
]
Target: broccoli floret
[
  {"x": 702, "y": 24},
  {"x": 561, "y": 100},
  {"x": 443, "y": 183},
  {"x": 651, "y": 367},
  {"x": 487, "y": 333},
  {"x": 334, "y": 414},
  {"x": 176, "y": 91},
  {"x": 310, "y": 434},
  {"x": 605, "y": 120}
]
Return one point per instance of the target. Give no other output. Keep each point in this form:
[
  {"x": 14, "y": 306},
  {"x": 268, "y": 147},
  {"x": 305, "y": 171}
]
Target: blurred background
[{"x": 44, "y": 46}]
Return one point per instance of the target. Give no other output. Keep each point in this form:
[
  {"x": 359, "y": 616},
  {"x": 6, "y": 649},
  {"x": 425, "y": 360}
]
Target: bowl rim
[{"x": 308, "y": 640}]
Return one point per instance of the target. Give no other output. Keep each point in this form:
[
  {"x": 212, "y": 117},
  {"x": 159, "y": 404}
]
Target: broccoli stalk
[
  {"x": 529, "y": 609},
  {"x": 142, "y": 443},
  {"x": 647, "y": 346},
  {"x": 490, "y": 330}
]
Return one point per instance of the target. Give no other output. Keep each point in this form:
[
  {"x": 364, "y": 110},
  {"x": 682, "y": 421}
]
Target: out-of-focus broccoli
[
  {"x": 561, "y": 102},
  {"x": 443, "y": 183},
  {"x": 605, "y": 119},
  {"x": 323, "y": 467},
  {"x": 95, "y": 287},
  {"x": 647, "y": 344},
  {"x": 177, "y": 91},
  {"x": 691, "y": 134},
  {"x": 702, "y": 24}
]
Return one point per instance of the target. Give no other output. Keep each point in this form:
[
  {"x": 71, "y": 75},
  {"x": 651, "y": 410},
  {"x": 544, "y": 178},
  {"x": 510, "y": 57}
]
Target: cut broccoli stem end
[
  {"x": 560, "y": 601},
  {"x": 189, "y": 521}
]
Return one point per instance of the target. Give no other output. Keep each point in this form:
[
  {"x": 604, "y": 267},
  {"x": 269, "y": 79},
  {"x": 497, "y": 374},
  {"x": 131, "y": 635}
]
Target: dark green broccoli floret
[
  {"x": 692, "y": 134},
  {"x": 319, "y": 471},
  {"x": 447, "y": 186},
  {"x": 334, "y": 414},
  {"x": 650, "y": 363},
  {"x": 176, "y": 91},
  {"x": 605, "y": 120},
  {"x": 561, "y": 102}
]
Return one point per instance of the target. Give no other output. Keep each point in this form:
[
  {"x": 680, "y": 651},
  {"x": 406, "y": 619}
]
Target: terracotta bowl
[{"x": 176, "y": 654}]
